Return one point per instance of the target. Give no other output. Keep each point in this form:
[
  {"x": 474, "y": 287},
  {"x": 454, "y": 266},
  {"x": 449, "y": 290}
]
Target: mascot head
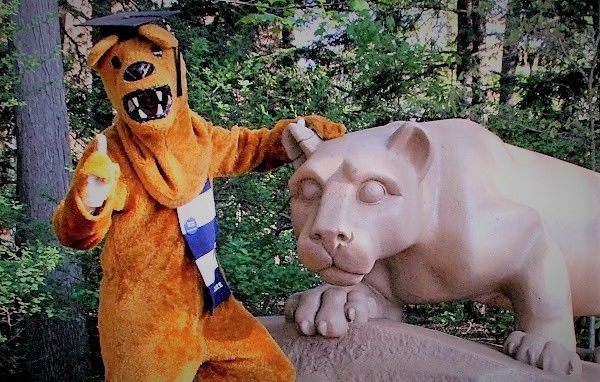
[{"x": 141, "y": 69}]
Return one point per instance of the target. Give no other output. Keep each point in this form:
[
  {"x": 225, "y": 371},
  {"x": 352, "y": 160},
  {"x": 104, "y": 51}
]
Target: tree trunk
[
  {"x": 596, "y": 19},
  {"x": 77, "y": 41},
  {"x": 477, "y": 43},
  {"x": 592, "y": 84},
  {"x": 463, "y": 41},
  {"x": 592, "y": 95},
  {"x": 469, "y": 40},
  {"x": 510, "y": 47},
  {"x": 58, "y": 349}
]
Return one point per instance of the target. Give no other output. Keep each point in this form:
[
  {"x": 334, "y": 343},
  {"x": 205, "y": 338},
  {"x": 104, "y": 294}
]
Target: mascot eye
[
  {"x": 157, "y": 51},
  {"x": 309, "y": 189},
  {"x": 371, "y": 192},
  {"x": 116, "y": 63}
]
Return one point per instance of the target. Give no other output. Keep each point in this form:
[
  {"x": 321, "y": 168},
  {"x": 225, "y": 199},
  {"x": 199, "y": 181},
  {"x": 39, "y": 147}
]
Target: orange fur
[{"x": 152, "y": 322}]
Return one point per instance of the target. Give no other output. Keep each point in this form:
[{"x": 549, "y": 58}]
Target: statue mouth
[
  {"x": 148, "y": 104},
  {"x": 337, "y": 276}
]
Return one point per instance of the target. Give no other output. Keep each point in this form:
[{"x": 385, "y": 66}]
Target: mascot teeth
[{"x": 148, "y": 104}]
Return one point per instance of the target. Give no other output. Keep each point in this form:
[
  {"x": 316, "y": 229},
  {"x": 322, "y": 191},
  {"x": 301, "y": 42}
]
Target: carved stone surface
[
  {"x": 383, "y": 350},
  {"x": 411, "y": 213}
]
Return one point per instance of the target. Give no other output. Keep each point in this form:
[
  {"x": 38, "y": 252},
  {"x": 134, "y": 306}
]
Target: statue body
[{"x": 441, "y": 211}]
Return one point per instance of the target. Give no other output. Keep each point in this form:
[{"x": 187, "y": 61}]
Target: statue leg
[
  {"x": 541, "y": 297},
  {"x": 241, "y": 349}
]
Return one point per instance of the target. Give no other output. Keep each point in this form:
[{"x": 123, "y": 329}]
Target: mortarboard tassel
[{"x": 178, "y": 69}]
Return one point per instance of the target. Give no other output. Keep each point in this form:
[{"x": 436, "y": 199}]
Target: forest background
[{"x": 528, "y": 70}]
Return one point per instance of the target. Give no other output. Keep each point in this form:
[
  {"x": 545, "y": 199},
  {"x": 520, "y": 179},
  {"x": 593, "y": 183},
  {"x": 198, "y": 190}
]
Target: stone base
[{"x": 383, "y": 350}]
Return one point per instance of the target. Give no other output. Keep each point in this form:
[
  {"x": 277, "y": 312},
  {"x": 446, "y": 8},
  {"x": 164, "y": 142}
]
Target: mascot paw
[
  {"x": 325, "y": 128},
  {"x": 101, "y": 175},
  {"x": 305, "y": 134},
  {"x": 328, "y": 310},
  {"x": 547, "y": 355}
]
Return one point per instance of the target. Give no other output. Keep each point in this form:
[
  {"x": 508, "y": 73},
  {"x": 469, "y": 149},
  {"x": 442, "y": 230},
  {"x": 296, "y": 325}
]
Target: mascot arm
[
  {"x": 241, "y": 149},
  {"x": 75, "y": 223}
]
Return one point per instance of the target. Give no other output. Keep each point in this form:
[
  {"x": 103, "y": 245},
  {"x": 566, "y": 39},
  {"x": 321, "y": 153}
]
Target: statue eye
[
  {"x": 157, "y": 51},
  {"x": 371, "y": 192},
  {"x": 309, "y": 189}
]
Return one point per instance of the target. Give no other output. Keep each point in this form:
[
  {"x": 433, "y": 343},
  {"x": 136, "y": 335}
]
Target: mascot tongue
[{"x": 173, "y": 163}]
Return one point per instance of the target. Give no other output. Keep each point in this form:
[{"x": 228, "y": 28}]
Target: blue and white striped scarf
[{"x": 198, "y": 223}]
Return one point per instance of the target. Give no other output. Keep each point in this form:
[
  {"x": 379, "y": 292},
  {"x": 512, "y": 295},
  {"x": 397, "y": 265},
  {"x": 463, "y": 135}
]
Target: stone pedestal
[{"x": 389, "y": 351}]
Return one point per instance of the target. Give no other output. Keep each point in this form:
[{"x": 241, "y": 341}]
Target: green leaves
[
  {"x": 256, "y": 245},
  {"x": 24, "y": 292},
  {"x": 23, "y": 287},
  {"x": 8, "y": 78},
  {"x": 260, "y": 18},
  {"x": 395, "y": 76},
  {"x": 263, "y": 277},
  {"x": 464, "y": 319},
  {"x": 276, "y": 14},
  {"x": 359, "y": 6}
]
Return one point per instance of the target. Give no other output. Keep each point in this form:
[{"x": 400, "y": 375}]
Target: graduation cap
[{"x": 125, "y": 24}]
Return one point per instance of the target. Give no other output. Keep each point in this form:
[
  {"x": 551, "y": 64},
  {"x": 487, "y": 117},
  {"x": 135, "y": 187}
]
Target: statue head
[{"x": 356, "y": 199}]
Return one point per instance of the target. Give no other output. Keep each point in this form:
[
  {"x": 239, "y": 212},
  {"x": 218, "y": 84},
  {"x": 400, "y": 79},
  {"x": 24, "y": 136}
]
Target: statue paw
[
  {"x": 328, "y": 310},
  {"x": 547, "y": 355}
]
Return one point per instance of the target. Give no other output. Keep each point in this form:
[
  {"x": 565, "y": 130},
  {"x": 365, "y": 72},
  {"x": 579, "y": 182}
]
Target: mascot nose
[{"x": 138, "y": 70}]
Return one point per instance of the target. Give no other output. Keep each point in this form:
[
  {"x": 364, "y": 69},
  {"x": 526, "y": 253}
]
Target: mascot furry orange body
[{"x": 153, "y": 322}]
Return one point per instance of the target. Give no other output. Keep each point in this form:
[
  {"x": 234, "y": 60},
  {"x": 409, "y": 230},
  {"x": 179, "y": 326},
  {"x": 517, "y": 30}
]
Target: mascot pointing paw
[{"x": 166, "y": 313}]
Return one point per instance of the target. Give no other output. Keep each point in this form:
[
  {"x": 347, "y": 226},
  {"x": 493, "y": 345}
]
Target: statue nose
[
  {"x": 138, "y": 70},
  {"x": 331, "y": 239}
]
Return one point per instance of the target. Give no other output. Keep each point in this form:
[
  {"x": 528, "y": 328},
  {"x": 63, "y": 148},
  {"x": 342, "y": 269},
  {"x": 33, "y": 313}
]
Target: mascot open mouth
[{"x": 148, "y": 104}]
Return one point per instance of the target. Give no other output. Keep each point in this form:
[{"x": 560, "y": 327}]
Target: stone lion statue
[{"x": 440, "y": 211}]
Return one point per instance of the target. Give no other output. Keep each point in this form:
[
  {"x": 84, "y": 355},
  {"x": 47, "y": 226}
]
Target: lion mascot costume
[{"x": 145, "y": 184}]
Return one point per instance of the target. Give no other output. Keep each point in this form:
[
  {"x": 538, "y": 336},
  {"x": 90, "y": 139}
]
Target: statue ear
[
  {"x": 99, "y": 50},
  {"x": 413, "y": 143},
  {"x": 158, "y": 35},
  {"x": 299, "y": 142}
]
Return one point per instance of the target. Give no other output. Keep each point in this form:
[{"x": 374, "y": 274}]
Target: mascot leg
[
  {"x": 152, "y": 361},
  {"x": 241, "y": 349},
  {"x": 149, "y": 345}
]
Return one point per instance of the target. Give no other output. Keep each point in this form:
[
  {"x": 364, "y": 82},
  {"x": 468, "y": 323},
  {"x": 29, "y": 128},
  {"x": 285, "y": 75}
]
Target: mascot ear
[
  {"x": 100, "y": 49},
  {"x": 412, "y": 142},
  {"x": 159, "y": 36}
]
